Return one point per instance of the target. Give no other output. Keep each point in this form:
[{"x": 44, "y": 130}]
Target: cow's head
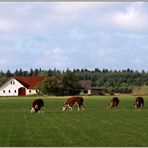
[
  {"x": 32, "y": 110},
  {"x": 64, "y": 107},
  {"x": 111, "y": 104}
]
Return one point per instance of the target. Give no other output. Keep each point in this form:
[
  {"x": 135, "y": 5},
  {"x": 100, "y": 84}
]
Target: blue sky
[{"x": 112, "y": 35}]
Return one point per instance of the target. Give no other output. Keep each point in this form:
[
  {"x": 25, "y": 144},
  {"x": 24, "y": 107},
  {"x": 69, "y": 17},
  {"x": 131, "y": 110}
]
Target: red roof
[{"x": 30, "y": 82}]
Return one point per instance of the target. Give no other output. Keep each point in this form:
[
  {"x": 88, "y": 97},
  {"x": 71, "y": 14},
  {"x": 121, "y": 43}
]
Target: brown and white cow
[
  {"x": 114, "y": 102},
  {"x": 139, "y": 102},
  {"x": 37, "y": 106},
  {"x": 70, "y": 102}
]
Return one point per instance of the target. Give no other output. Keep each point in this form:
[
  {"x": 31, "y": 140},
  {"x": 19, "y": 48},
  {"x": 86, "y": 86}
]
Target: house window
[
  {"x": 29, "y": 91},
  {"x": 3, "y": 91},
  {"x": 12, "y": 82},
  {"x": 14, "y": 91},
  {"x": 37, "y": 91},
  {"x": 9, "y": 91}
]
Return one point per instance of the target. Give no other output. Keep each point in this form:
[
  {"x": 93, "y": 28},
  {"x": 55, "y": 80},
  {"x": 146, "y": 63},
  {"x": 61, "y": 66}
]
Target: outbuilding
[{"x": 87, "y": 89}]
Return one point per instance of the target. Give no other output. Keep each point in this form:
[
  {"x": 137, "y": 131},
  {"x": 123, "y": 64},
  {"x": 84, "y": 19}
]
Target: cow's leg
[
  {"x": 70, "y": 107},
  {"x": 111, "y": 105},
  {"x": 136, "y": 106},
  {"x": 38, "y": 111},
  {"x": 79, "y": 106},
  {"x": 82, "y": 107},
  {"x": 141, "y": 106},
  {"x": 42, "y": 109},
  {"x": 115, "y": 104}
]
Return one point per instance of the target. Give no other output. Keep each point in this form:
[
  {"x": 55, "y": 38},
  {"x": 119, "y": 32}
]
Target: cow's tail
[{"x": 82, "y": 100}]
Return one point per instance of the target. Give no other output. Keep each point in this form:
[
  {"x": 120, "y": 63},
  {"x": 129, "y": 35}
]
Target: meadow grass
[{"x": 95, "y": 126}]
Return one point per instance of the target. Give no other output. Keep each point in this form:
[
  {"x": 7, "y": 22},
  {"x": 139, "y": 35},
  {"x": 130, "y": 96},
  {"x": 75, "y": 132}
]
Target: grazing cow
[
  {"x": 114, "y": 102},
  {"x": 72, "y": 101},
  {"x": 139, "y": 102},
  {"x": 37, "y": 106}
]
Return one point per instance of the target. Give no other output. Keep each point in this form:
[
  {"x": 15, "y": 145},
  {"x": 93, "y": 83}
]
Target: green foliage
[
  {"x": 3, "y": 78},
  {"x": 71, "y": 84},
  {"x": 68, "y": 84},
  {"x": 114, "y": 81},
  {"x": 51, "y": 86}
]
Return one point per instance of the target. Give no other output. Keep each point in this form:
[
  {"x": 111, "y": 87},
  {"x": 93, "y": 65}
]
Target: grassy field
[{"x": 95, "y": 126}]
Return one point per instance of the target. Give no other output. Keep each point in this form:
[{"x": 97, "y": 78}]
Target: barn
[{"x": 21, "y": 86}]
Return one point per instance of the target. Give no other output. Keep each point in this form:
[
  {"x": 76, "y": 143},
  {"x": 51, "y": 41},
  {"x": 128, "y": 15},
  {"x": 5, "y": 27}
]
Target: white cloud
[
  {"x": 75, "y": 34},
  {"x": 78, "y": 7},
  {"x": 47, "y": 17},
  {"x": 133, "y": 18},
  {"x": 2, "y": 61},
  {"x": 55, "y": 58},
  {"x": 6, "y": 25}
]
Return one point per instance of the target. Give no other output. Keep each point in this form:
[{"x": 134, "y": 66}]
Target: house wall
[
  {"x": 85, "y": 92},
  {"x": 89, "y": 92},
  {"x": 31, "y": 91},
  {"x": 97, "y": 91},
  {"x": 11, "y": 87}
]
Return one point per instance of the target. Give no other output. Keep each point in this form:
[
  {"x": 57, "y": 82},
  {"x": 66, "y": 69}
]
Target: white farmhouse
[{"x": 21, "y": 86}]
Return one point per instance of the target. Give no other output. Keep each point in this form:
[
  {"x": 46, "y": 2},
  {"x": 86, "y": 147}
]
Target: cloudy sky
[{"x": 112, "y": 35}]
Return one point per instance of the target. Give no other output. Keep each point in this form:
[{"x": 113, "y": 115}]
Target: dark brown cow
[
  {"x": 114, "y": 102},
  {"x": 37, "y": 106},
  {"x": 139, "y": 102},
  {"x": 72, "y": 101}
]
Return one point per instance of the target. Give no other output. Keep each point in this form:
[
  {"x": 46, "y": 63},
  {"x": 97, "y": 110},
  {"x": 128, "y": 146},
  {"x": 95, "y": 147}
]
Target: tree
[
  {"x": 3, "y": 78},
  {"x": 71, "y": 84},
  {"x": 51, "y": 86},
  {"x": 31, "y": 72},
  {"x": 36, "y": 72},
  {"x": 9, "y": 74}
]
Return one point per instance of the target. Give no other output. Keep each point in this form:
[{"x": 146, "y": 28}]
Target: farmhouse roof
[
  {"x": 86, "y": 84},
  {"x": 30, "y": 82}
]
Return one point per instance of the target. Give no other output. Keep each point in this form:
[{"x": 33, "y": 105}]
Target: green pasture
[{"x": 95, "y": 126}]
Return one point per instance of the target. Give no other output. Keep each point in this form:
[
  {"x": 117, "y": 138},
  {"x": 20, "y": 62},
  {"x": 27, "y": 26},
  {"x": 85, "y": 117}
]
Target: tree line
[{"x": 66, "y": 82}]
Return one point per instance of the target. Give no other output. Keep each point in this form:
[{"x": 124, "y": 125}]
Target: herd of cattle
[{"x": 38, "y": 104}]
